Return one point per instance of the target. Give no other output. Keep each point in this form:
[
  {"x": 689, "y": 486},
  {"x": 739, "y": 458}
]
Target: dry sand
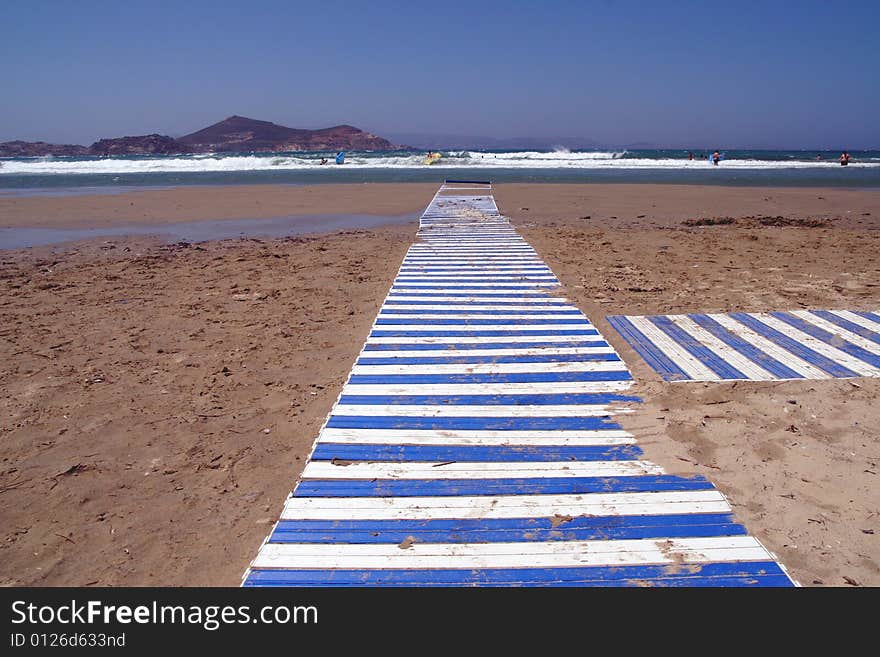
[
  {"x": 157, "y": 403},
  {"x": 131, "y": 456}
]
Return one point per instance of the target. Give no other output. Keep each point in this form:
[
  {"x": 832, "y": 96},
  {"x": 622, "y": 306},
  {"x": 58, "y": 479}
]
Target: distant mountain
[
  {"x": 235, "y": 134},
  {"x": 39, "y": 149},
  {"x": 238, "y": 133},
  {"x": 443, "y": 141},
  {"x": 143, "y": 145}
]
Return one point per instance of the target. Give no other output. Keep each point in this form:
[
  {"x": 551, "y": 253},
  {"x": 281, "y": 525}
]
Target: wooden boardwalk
[
  {"x": 801, "y": 344},
  {"x": 475, "y": 443}
]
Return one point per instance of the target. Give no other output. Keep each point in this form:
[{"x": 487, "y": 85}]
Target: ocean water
[{"x": 62, "y": 175}]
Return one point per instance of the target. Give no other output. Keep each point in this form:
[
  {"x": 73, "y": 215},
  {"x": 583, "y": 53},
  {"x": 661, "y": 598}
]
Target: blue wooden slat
[
  {"x": 473, "y": 453},
  {"x": 445, "y": 346},
  {"x": 531, "y": 269},
  {"x": 487, "y": 321},
  {"x": 465, "y": 525},
  {"x": 511, "y": 486},
  {"x": 485, "y": 278},
  {"x": 585, "y": 575},
  {"x": 562, "y": 533},
  {"x": 476, "y": 360},
  {"x": 501, "y": 400},
  {"x": 485, "y": 295},
  {"x": 518, "y": 377},
  {"x": 763, "y": 581},
  {"x": 544, "y": 305},
  {"x": 479, "y": 334},
  {"x": 447, "y": 423},
  {"x": 545, "y": 311}
]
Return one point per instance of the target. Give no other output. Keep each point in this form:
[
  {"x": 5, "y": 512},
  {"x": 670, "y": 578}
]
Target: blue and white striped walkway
[
  {"x": 475, "y": 443},
  {"x": 801, "y": 344}
]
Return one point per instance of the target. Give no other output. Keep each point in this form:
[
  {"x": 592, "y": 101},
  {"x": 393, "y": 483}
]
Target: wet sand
[
  {"x": 187, "y": 204},
  {"x": 138, "y": 380},
  {"x": 618, "y": 203}
]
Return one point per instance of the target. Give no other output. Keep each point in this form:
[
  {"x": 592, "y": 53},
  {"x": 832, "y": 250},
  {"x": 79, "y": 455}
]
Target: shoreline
[{"x": 616, "y": 204}]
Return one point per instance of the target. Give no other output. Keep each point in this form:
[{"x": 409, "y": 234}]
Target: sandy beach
[{"x": 157, "y": 401}]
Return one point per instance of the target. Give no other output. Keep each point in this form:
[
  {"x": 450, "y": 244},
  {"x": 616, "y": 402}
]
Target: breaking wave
[{"x": 561, "y": 158}]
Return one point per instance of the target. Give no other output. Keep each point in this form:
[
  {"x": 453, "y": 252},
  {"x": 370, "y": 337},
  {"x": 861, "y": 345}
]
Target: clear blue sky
[{"x": 749, "y": 74}]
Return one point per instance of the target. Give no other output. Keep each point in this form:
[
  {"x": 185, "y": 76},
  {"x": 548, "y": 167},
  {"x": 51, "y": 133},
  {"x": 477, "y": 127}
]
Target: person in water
[
  {"x": 323, "y": 160},
  {"x": 716, "y": 156},
  {"x": 690, "y": 155},
  {"x": 844, "y": 158}
]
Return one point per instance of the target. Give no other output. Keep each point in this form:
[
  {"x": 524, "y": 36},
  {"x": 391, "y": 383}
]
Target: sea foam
[{"x": 559, "y": 159}]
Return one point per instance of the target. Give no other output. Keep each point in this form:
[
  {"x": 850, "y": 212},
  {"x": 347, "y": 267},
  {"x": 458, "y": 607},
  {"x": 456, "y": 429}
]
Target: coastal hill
[
  {"x": 144, "y": 145},
  {"x": 40, "y": 149},
  {"x": 234, "y": 134},
  {"x": 238, "y": 133}
]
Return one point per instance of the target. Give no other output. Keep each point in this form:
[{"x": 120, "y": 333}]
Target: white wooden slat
[
  {"x": 466, "y": 262},
  {"x": 580, "y": 548},
  {"x": 462, "y": 242},
  {"x": 480, "y": 339},
  {"x": 479, "y": 315},
  {"x": 470, "y": 309},
  {"x": 510, "y": 506},
  {"x": 470, "y": 250},
  {"x": 532, "y": 554},
  {"x": 452, "y": 278},
  {"x": 474, "y": 410},
  {"x": 487, "y": 388},
  {"x": 489, "y": 258},
  {"x": 474, "y": 437},
  {"x": 471, "y": 470},
  {"x": 541, "y": 299},
  {"x": 464, "y": 271},
  {"x": 536, "y": 292},
  {"x": 450, "y": 285},
  {"x": 534, "y": 329},
  {"x": 271, "y": 556},
  {"x": 443, "y": 353},
  {"x": 492, "y": 368}
]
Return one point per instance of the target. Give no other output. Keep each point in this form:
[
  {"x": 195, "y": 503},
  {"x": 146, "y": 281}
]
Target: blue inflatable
[{"x": 340, "y": 157}]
